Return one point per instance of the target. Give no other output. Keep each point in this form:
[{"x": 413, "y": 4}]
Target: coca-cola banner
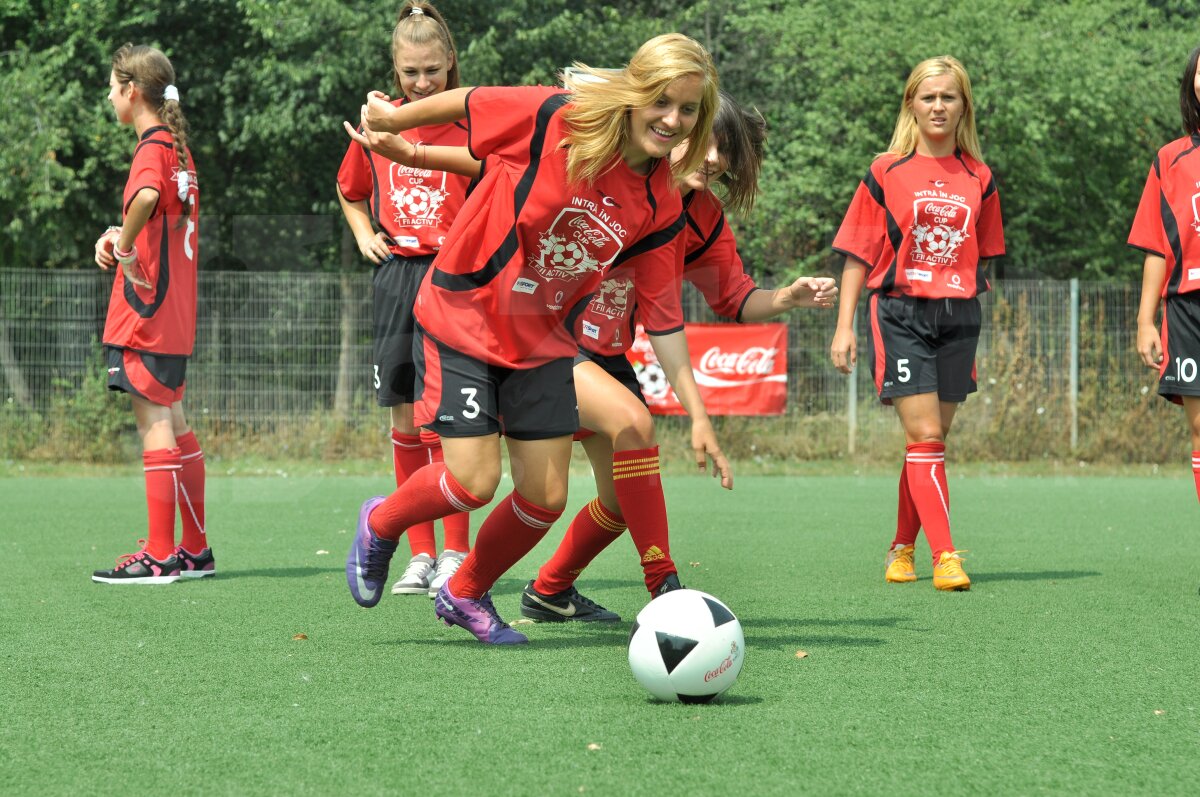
[{"x": 741, "y": 369}]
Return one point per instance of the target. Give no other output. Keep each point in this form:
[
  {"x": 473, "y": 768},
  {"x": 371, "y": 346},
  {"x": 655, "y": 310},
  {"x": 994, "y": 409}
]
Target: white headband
[{"x": 171, "y": 93}]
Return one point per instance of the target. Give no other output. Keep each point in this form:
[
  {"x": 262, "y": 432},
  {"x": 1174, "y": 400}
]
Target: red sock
[
  {"x": 430, "y": 493},
  {"x": 592, "y": 530},
  {"x": 162, "y": 477},
  {"x": 409, "y": 456},
  {"x": 908, "y": 522},
  {"x": 925, "y": 466},
  {"x": 1196, "y": 470},
  {"x": 457, "y": 527},
  {"x": 644, "y": 507},
  {"x": 191, "y": 493},
  {"x": 508, "y": 533}
]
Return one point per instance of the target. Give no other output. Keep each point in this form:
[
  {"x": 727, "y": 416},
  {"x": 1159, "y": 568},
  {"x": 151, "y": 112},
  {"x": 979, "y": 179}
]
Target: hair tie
[
  {"x": 182, "y": 183},
  {"x": 171, "y": 93},
  {"x": 416, "y": 11}
]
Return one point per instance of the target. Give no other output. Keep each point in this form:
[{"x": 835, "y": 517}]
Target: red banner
[{"x": 741, "y": 369}]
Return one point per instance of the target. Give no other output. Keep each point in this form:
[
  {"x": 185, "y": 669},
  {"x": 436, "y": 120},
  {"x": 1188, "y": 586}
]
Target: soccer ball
[{"x": 686, "y": 645}]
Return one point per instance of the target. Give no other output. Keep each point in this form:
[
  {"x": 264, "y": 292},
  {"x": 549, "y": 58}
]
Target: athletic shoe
[
  {"x": 563, "y": 606},
  {"x": 899, "y": 564},
  {"x": 669, "y": 584},
  {"x": 415, "y": 580},
  {"x": 367, "y": 562},
  {"x": 948, "y": 572},
  {"x": 140, "y": 568},
  {"x": 195, "y": 565},
  {"x": 478, "y": 616},
  {"x": 447, "y": 565}
]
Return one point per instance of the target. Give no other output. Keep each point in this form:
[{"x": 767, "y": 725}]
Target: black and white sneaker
[
  {"x": 140, "y": 568},
  {"x": 669, "y": 584},
  {"x": 563, "y": 606}
]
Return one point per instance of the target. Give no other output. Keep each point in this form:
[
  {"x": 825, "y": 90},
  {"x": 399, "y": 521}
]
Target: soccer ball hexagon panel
[{"x": 686, "y": 646}]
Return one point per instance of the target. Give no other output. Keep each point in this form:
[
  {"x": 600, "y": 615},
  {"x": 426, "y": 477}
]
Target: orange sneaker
[
  {"x": 948, "y": 572},
  {"x": 899, "y": 564}
]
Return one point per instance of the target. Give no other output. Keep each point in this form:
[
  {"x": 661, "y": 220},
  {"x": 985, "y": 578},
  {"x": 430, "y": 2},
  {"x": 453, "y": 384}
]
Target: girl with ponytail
[{"x": 151, "y": 324}]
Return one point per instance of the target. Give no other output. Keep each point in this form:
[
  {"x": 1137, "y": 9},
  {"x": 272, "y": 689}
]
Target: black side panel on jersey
[
  {"x": 508, "y": 247},
  {"x": 692, "y": 257},
  {"x": 1171, "y": 229},
  {"x": 895, "y": 237},
  {"x": 164, "y": 280},
  {"x": 374, "y": 183}
]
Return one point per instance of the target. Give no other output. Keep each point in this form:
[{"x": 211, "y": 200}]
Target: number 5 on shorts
[{"x": 902, "y": 372}]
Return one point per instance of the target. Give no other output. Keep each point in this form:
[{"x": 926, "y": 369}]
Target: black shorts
[
  {"x": 396, "y": 282},
  {"x": 459, "y": 396},
  {"x": 616, "y": 366},
  {"x": 158, "y": 378},
  {"x": 1178, "y": 375},
  {"x": 924, "y": 346}
]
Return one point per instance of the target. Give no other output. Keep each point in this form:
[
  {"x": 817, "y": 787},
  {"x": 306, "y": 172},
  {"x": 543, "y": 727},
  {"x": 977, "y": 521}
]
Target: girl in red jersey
[
  {"x": 1167, "y": 229},
  {"x": 574, "y": 184},
  {"x": 413, "y": 207},
  {"x": 610, "y": 399},
  {"x": 151, "y": 323},
  {"x": 922, "y": 224}
]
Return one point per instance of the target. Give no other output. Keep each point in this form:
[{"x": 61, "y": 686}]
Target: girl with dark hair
[
  {"x": 1167, "y": 229},
  {"x": 922, "y": 225},
  {"x": 575, "y": 184},
  {"x": 618, "y": 430},
  {"x": 151, "y": 324},
  {"x": 412, "y": 207}
]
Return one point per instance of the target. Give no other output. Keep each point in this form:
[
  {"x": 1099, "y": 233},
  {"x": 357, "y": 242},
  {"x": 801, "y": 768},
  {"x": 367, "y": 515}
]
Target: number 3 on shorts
[
  {"x": 902, "y": 372},
  {"x": 472, "y": 410},
  {"x": 377, "y": 382}
]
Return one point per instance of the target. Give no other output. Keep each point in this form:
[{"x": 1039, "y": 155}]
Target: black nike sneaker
[{"x": 563, "y": 606}]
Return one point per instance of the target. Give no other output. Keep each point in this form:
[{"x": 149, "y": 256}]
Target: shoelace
[
  {"x": 448, "y": 566},
  {"x": 485, "y": 603},
  {"x": 126, "y": 559},
  {"x": 952, "y": 564},
  {"x": 377, "y": 560},
  {"x": 578, "y": 598},
  {"x": 413, "y": 569}
]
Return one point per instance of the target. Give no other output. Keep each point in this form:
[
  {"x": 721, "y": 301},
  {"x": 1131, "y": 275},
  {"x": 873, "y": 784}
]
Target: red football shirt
[
  {"x": 529, "y": 248},
  {"x": 710, "y": 262},
  {"x": 413, "y": 207},
  {"x": 160, "y": 319},
  {"x": 1167, "y": 223},
  {"x": 924, "y": 225}
]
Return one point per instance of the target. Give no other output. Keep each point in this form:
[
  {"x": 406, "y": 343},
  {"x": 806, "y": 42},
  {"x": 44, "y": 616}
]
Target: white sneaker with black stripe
[{"x": 415, "y": 580}]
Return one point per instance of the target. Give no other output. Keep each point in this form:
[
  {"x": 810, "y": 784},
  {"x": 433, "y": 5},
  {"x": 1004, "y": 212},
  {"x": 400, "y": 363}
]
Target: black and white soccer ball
[{"x": 686, "y": 645}]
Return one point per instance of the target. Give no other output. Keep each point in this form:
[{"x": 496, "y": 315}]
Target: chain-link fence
[{"x": 1057, "y": 368}]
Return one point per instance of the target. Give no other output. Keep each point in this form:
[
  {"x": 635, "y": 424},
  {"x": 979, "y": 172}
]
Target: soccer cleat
[
  {"x": 669, "y": 584},
  {"x": 447, "y": 565},
  {"x": 563, "y": 606},
  {"x": 478, "y": 616},
  {"x": 899, "y": 563},
  {"x": 948, "y": 572},
  {"x": 367, "y": 562},
  {"x": 195, "y": 565},
  {"x": 415, "y": 580},
  {"x": 140, "y": 568}
]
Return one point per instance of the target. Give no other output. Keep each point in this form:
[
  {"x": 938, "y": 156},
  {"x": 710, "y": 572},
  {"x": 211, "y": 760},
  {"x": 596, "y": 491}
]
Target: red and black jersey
[
  {"x": 413, "y": 207},
  {"x": 1167, "y": 223},
  {"x": 924, "y": 225},
  {"x": 710, "y": 262},
  {"x": 529, "y": 248},
  {"x": 160, "y": 319}
]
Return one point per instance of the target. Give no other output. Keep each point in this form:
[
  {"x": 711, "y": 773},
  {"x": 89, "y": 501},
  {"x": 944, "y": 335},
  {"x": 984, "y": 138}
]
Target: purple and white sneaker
[
  {"x": 478, "y": 616},
  {"x": 195, "y": 565},
  {"x": 368, "y": 560},
  {"x": 140, "y": 568}
]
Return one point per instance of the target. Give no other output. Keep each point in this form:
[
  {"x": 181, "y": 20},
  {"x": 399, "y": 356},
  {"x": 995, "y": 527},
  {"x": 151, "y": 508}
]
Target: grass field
[{"x": 1070, "y": 667}]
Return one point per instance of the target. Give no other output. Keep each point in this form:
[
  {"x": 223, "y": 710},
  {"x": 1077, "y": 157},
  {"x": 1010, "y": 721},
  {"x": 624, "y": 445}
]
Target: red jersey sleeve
[
  {"x": 1147, "y": 232},
  {"x": 354, "y": 175},
  {"x": 657, "y": 262},
  {"x": 716, "y": 269},
  {"x": 990, "y": 227},
  {"x": 864, "y": 227},
  {"x": 149, "y": 170},
  {"x": 502, "y": 120}
]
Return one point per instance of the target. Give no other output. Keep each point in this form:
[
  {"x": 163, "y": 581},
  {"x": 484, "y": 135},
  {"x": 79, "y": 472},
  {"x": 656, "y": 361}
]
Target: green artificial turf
[{"x": 1070, "y": 667}]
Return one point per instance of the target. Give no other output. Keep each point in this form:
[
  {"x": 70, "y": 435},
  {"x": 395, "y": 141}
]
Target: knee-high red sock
[
  {"x": 908, "y": 522},
  {"x": 191, "y": 493},
  {"x": 457, "y": 526},
  {"x": 592, "y": 530},
  {"x": 409, "y": 455},
  {"x": 639, "y": 490},
  {"x": 1196, "y": 470},
  {"x": 161, "y": 469},
  {"x": 430, "y": 493},
  {"x": 508, "y": 533},
  {"x": 925, "y": 466}
]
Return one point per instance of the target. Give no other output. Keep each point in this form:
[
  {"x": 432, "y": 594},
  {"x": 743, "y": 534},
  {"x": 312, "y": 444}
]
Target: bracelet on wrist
[{"x": 125, "y": 258}]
